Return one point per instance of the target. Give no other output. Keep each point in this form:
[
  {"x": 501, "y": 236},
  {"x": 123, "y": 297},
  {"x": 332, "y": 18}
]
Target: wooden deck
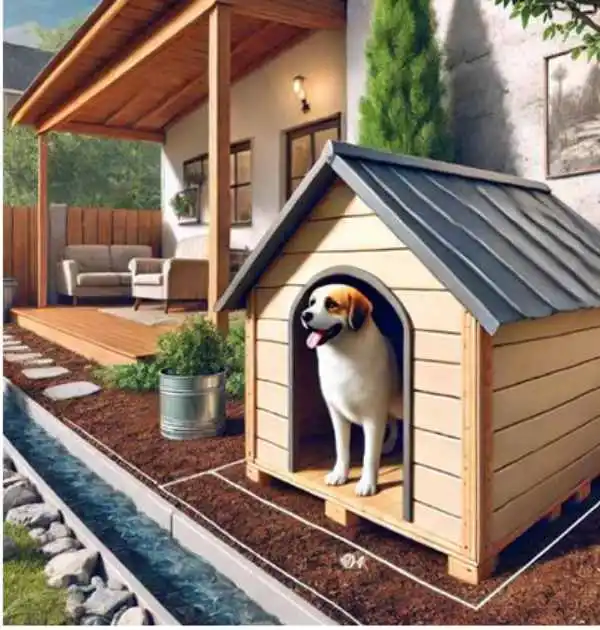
[{"x": 101, "y": 337}]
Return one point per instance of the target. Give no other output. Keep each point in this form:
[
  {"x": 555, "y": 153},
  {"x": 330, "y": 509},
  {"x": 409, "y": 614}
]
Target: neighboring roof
[
  {"x": 506, "y": 247},
  {"x": 21, "y": 65}
]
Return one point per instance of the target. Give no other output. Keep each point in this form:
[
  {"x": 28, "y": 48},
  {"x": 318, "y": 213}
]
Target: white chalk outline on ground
[
  {"x": 215, "y": 472},
  {"x": 263, "y": 559}
]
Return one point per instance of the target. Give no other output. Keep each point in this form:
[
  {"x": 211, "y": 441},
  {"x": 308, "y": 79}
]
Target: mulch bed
[{"x": 561, "y": 588}]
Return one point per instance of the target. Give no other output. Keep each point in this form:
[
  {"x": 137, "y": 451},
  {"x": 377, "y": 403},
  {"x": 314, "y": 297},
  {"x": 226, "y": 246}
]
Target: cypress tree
[{"x": 402, "y": 110}]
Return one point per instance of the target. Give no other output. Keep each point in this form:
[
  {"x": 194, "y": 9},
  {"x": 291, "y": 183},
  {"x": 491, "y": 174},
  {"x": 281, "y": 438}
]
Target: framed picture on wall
[{"x": 572, "y": 115}]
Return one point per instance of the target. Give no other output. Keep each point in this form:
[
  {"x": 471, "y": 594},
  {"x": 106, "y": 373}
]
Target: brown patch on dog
[{"x": 352, "y": 302}]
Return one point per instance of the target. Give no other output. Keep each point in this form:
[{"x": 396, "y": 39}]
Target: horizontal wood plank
[
  {"x": 440, "y": 414},
  {"x": 556, "y": 325},
  {"x": 516, "y": 363},
  {"x": 272, "y": 362},
  {"x": 438, "y": 451},
  {"x": 534, "y": 468},
  {"x": 272, "y": 397},
  {"x": 438, "y": 490},
  {"x": 535, "y": 504},
  {"x": 437, "y": 378},
  {"x": 514, "y": 442},
  {"x": 273, "y": 456},
  {"x": 272, "y": 428},
  {"x": 533, "y": 397},
  {"x": 340, "y": 201}
]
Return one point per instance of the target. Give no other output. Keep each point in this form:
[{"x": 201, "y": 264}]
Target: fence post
[{"x": 57, "y": 241}]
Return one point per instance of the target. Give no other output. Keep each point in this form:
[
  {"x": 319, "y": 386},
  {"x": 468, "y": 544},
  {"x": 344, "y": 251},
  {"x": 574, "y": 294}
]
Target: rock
[
  {"x": 20, "y": 493},
  {"x": 86, "y": 589},
  {"x": 34, "y": 515},
  {"x": 21, "y": 357},
  {"x": 115, "y": 584},
  {"x": 39, "y": 361},
  {"x": 11, "y": 548},
  {"x": 56, "y": 531},
  {"x": 37, "y": 373},
  {"x": 37, "y": 534},
  {"x": 60, "y": 545},
  {"x": 17, "y": 347},
  {"x": 74, "y": 606},
  {"x": 97, "y": 582},
  {"x": 135, "y": 616},
  {"x": 105, "y": 601},
  {"x": 71, "y": 567},
  {"x": 94, "y": 620},
  {"x": 7, "y": 462},
  {"x": 11, "y": 477},
  {"x": 77, "y": 389}
]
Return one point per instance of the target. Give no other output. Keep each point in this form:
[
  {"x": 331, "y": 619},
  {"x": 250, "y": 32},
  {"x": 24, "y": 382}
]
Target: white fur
[{"x": 359, "y": 381}]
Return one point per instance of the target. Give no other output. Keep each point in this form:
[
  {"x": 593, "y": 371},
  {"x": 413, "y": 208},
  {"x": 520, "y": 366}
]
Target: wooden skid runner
[{"x": 580, "y": 494}]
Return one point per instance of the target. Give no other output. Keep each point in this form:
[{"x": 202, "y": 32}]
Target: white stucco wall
[
  {"x": 496, "y": 80},
  {"x": 263, "y": 107}
]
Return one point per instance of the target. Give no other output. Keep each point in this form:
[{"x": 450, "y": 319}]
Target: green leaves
[
  {"x": 564, "y": 19},
  {"x": 402, "y": 110}
]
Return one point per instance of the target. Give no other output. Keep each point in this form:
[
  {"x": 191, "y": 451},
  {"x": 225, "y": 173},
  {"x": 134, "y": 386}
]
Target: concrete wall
[
  {"x": 496, "y": 81},
  {"x": 263, "y": 107}
]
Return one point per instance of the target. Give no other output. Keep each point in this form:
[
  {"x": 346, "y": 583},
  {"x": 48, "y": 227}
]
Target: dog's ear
[{"x": 359, "y": 308}]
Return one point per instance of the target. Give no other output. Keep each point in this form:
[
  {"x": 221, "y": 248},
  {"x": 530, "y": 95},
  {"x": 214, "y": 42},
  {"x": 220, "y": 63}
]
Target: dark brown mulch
[
  {"x": 127, "y": 422},
  {"x": 562, "y": 588}
]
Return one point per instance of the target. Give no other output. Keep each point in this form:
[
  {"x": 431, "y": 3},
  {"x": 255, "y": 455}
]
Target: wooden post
[
  {"x": 219, "y": 137},
  {"x": 42, "y": 222}
]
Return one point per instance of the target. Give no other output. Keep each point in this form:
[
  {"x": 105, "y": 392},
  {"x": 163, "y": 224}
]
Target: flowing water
[{"x": 189, "y": 587}]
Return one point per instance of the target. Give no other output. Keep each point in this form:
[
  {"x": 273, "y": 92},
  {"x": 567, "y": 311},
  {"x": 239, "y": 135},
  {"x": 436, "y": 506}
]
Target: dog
[{"x": 358, "y": 376}]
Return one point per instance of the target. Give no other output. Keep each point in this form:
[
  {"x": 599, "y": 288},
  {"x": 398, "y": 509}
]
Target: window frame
[
  {"x": 202, "y": 159},
  {"x": 307, "y": 129}
]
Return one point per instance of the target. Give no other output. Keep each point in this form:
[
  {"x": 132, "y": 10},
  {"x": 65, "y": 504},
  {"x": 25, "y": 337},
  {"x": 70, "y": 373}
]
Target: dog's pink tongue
[{"x": 312, "y": 341}]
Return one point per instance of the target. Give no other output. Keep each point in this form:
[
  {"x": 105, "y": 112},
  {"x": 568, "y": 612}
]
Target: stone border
[
  {"x": 272, "y": 596},
  {"x": 112, "y": 565}
]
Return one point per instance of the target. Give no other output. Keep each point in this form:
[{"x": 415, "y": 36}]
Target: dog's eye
[
  {"x": 312, "y": 302},
  {"x": 330, "y": 304}
]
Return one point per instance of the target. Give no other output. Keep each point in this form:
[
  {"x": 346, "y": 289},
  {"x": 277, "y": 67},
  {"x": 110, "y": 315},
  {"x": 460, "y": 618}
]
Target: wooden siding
[
  {"x": 343, "y": 231},
  {"x": 546, "y": 415},
  {"x": 84, "y": 226}
]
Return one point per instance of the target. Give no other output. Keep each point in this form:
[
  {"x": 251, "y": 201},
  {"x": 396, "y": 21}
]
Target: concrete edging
[
  {"x": 113, "y": 566},
  {"x": 275, "y": 598}
]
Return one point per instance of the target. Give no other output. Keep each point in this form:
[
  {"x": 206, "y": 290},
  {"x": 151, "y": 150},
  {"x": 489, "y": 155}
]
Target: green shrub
[
  {"x": 140, "y": 377},
  {"x": 235, "y": 359}
]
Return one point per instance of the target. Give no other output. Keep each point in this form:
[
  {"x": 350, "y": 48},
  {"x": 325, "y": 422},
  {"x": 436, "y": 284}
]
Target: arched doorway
[{"x": 310, "y": 430}]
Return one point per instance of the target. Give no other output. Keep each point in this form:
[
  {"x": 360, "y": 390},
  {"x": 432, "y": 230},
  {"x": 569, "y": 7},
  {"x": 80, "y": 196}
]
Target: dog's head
[{"x": 334, "y": 308}]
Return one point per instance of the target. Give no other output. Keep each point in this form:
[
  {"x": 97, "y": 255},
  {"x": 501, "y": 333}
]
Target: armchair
[{"x": 168, "y": 279}]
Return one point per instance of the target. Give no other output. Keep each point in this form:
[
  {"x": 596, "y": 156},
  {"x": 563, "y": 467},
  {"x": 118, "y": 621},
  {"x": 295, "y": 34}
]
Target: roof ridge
[{"x": 346, "y": 150}]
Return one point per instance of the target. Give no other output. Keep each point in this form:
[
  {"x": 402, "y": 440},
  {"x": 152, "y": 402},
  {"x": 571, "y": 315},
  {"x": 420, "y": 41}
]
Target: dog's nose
[{"x": 306, "y": 316}]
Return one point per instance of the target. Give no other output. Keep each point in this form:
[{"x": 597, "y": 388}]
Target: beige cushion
[
  {"x": 124, "y": 278},
  {"x": 120, "y": 255},
  {"x": 98, "y": 279},
  {"x": 153, "y": 279},
  {"x": 90, "y": 258}
]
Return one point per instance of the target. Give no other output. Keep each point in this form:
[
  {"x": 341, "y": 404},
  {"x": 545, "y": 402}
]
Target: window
[
  {"x": 195, "y": 176},
  {"x": 304, "y": 145}
]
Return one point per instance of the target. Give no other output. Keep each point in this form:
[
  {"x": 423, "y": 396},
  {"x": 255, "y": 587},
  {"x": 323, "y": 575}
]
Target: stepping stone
[
  {"x": 15, "y": 357},
  {"x": 42, "y": 361},
  {"x": 71, "y": 390},
  {"x": 18, "y": 348},
  {"x": 45, "y": 372},
  {"x": 9, "y": 343}
]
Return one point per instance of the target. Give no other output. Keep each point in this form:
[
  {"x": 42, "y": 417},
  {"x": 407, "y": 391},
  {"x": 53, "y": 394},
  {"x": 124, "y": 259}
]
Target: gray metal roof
[
  {"x": 504, "y": 246},
  {"x": 22, "y": 64}
]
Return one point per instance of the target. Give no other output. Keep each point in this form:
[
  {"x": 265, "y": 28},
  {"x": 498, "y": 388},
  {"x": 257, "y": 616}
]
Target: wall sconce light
[{"x": 300, "y": 92}]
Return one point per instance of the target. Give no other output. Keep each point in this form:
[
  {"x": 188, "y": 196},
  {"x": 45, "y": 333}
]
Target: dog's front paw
[
  {"x": 366, "y": 487},
  {"x": 337, "y": 477}
]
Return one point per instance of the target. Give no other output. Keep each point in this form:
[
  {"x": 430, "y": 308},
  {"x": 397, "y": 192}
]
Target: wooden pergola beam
[
  {"x": 78, "y": 49},
  {"x": 121, "y": 133},
  {"x": 156, "y": 41},
  {"x": 219, "y": 137},
  {"x": 42, "y": 222},
  {"x": 310, "y": 14}
]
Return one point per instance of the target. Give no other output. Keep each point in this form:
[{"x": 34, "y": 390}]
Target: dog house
[{"x": 489, "y": 290}]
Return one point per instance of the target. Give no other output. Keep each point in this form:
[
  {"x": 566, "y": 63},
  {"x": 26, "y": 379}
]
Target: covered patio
[{"x": 136, "y": 67}]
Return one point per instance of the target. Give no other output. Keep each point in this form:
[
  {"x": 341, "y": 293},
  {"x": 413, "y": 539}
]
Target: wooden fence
[{"x": 91, "y": 226}]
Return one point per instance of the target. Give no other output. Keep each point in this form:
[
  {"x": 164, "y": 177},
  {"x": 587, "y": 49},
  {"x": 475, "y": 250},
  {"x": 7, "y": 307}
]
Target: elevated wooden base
[
  {"x": 257, "y": 476},
  {"x": 470, "y": 573},
  {"x": 340, "y": 515}
]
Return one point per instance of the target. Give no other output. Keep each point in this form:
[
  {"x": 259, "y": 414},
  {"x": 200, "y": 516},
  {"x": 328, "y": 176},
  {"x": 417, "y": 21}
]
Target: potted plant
[
  {"x": 192, "y": 361},
  {"x": 183, "y": 203}
]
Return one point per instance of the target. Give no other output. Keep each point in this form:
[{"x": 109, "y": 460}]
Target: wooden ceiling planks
[{"x": 131, "y": 86}]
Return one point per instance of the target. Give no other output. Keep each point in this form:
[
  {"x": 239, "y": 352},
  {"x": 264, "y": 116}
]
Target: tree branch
[{"x": 580, "y": 15}]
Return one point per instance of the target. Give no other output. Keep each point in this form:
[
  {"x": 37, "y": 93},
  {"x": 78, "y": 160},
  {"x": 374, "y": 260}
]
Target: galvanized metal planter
[{"x": 191, "y": 407}]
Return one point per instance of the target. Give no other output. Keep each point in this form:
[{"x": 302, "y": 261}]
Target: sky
[{"x": 20, "y": 16}]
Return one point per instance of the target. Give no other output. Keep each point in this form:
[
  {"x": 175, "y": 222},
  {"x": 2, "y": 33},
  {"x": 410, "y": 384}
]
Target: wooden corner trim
[
  {"x": 477, "y": 438},
  {"x": 250, "y": 380}
]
